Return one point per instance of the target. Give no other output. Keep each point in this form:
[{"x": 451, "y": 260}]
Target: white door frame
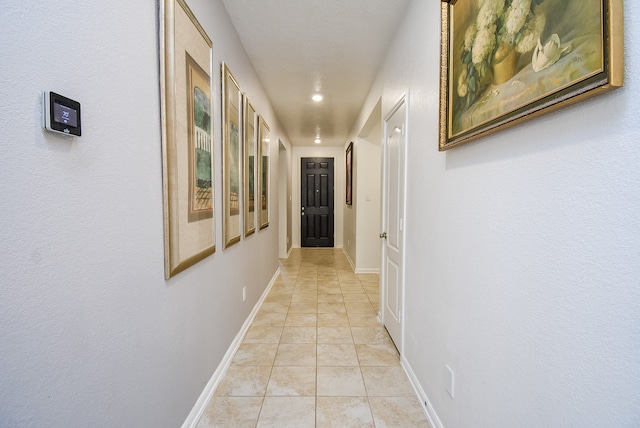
[{"x": 402, "y": 103}]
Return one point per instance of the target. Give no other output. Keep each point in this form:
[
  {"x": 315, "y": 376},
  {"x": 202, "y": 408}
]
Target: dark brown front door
[{"x": 316, "y": 218}]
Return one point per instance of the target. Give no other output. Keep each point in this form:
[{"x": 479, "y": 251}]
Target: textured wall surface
[
  {"x": 522, "y": 268},
  {"x": 91, "y": 334}
]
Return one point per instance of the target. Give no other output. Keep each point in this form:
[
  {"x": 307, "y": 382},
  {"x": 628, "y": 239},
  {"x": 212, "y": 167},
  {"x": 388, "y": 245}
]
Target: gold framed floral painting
[
  {"x": 505, "y": 61},
  {"x": 187, "y": 139}
]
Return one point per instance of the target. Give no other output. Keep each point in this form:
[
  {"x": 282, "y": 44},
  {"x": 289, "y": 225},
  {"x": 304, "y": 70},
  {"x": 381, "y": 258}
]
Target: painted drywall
[
  {"x": 337, "y": 153},
  {"x": 522, "y": 249},
  {"x": 282, "y": 195},
  {"x": 91, "y": 334},
  {"x": 368, "y": 198}
]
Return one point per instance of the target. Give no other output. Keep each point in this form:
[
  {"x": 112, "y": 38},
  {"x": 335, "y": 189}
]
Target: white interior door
[{"x": 392, "y": 274}]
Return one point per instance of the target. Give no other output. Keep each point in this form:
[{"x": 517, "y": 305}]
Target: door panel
[
  {"x": 391, "y": 292},
  {"x": 393, "y": 216},
  {"x": 317, "y": 216}
]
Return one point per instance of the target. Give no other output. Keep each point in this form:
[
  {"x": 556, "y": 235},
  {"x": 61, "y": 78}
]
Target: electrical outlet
[
  {"x": 450, "y": 380},
  {"x": 244, "y": 294}
]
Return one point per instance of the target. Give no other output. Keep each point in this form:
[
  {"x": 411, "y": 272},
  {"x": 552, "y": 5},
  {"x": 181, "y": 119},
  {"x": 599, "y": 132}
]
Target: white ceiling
[{"x": 299, "y": 47}]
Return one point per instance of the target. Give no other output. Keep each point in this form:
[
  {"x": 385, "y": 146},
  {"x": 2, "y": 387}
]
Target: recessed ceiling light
[
  {"x": 317, "y": 98},
  {"x": 317, "y": 141}
]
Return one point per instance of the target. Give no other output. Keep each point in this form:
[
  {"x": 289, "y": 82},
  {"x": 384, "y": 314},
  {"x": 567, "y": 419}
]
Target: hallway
[{"x": 316, "y": 356}]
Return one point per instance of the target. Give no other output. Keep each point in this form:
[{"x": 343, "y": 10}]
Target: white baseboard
[
  {"x": 367, "y": 270},
  {"x": 198, "y": 409},
  {"x": 353, "y": 266},
  {"x": 433, "y": 418}
]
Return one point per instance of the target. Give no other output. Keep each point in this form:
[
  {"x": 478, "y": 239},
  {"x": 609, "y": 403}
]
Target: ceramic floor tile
[
  {"x": 333, "y": 320},
  {"x": 387, "y": 382},
  {"x": 255, "y": 354},
  {"x": 331, "y": 308},
  {"x": 263, "y": 334},
  {"x": 269, "y": 319},
  {"x": 288, "y": 412},
  {"x": 343, "y": 412},
  {"x": 363, "y": 320},
  {"x": 298, "y": 335},
  {"x": 292, "y": 381},
  {"x": 244, "y": 381},
  {"x": 370, "y": 335},
  {"x": 340, "y": 382},
  {"x": 300, "y": 297},
  {"x": 334, "y": 335},
  {"x": 330, "y": 284},
  {"x": 275, "y": 307},
  {"x": 330, "y": 298},
  {"x": 352, "y": 288},
  {"x": 350, "y": 377},
  {"x": 301, "y": 320},
  {"x": 296, "y": 354},
  {"x": 303, "y": 308},
  {"x": 359, "y": 307},
  {"x": 228, "y": 412},
  {"x": 356, "y": 297},
  {"x": 398, "y": 412},
  {"x": 377, "y": 355},
  {"x": 337, "y": 355}
]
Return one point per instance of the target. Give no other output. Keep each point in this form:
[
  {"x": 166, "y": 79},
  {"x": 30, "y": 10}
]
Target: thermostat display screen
[
  {"x": 61, "y": 114},
  {"x": 64, "y": 114}
]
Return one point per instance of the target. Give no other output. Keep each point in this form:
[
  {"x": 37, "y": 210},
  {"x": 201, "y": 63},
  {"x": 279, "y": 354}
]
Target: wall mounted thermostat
[{"x": 60, "y": 114}]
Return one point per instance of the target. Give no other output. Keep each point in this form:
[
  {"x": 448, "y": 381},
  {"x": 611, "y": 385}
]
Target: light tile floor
[{"x": 316, "y": 356}]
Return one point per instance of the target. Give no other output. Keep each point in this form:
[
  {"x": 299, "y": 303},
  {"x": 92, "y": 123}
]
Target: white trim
[
  {"x": 346, "y": 254},
  {"x": 368, "y": 270},
  {"x": 428, "y": 409},
  {"x": 198, "y": 409}
]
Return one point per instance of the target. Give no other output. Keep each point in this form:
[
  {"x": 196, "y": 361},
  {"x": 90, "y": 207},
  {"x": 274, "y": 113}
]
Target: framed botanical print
[
  {"x": 264, "y": 139},
  {"x": 231, "y": 110},
  {"x": 250, "y": 151},
  {"x": 187, "y": 139}
]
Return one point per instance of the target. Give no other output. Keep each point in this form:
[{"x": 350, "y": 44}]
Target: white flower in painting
[
  {"x": 487, "y": 15},
  {"x": 463, "y": 89},
  {"x": 483, "y": 45},
  {"x": 469, "y": 37},
  {"x": 516, "y": 15},
  {"x": 532, "y": 32}
]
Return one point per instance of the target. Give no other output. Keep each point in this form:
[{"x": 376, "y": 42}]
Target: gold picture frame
[
  {"x": 187, "y": 138},
  {"x": 231, "y": 137},
  {"x": 264, "y": 139},
  {"x": 250, "y": 154},
  {"x": 506, "y": 61}
]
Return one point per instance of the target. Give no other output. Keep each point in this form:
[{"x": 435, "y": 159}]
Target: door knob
[{"x": 383, "y": 235}]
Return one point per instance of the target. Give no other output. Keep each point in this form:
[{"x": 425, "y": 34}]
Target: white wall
[
  {"x": 338, "y": 154},
  {"x": 522, "y": 251},
  {"x": 368, "y": 199},
  {"x": 90, "y": 331}
]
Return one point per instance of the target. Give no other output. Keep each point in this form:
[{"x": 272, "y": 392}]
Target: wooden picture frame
[
  {"x": 231, "y": 177},
  {"x": 503, "y": 65},
  {"x": 187, "y": 138},
  {"x": 250, "y": 154},
  {"x": 264, "y": 139},
  {"x": 349, "y": 174}
]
